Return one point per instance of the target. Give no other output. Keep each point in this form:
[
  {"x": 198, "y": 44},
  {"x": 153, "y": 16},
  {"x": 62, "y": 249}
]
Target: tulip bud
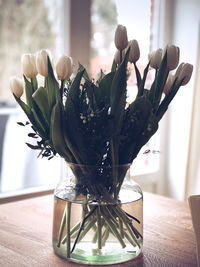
[
  {"x": 117, "y": 56},
  {"x": 172, "y": 57},
  {"x": 134, "y": 53},
  {"x": 178, "y": 71},
  {"x": 42, "y": 63},
  {"x": 156, "y": 58},
  {"x": 168, "y": 83},
  {"x": 64, "y": 67},
  {"x": 29, "y": 65},
  {"x": 16, "y": 86},
  {"x": 121, "y": 39},
  {"x": 184, "y": 72}
]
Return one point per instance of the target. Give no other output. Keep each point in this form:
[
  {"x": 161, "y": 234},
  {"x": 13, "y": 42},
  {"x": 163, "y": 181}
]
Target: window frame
[{"x": 151, "y": 181}]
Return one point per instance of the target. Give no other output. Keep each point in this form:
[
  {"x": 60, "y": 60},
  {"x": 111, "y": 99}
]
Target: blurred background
[{"x": 84, "y": 30}]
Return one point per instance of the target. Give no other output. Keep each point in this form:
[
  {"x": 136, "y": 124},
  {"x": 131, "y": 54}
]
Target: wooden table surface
[{"x": 26, "y": 226}]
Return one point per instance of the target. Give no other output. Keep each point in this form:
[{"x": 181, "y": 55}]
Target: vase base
[{"x": 87, "y": 253}]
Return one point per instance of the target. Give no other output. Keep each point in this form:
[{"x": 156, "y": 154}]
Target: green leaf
[
  {"x": 103, "y": 91},
  {"x": 25, "y": 107},
  {"x": 39, "y": 118},
  {"x": 118, "y": 93},
  {"x": 159, "y": 82},
  {"x": 52, "y": 86},
  {"x": 138, "y": 76},
  {"x": 72, "y": 134},
  {"x": 167, "y": 100},
  {"x": 41, "y": 99},
  {"x": 29, "y": 91},
  {"x": 73, "y": 94},
  {"x": 35, "y": 83},
  {"x": 140, "y": 111},
  {"x": 114, "y": 66},
  {"x": 56, "y": 131},
  {"x": 85, "y": 74},
  {"x": 33, "y": 147},
  {"x": 29, "y": 113},
  {"x": 142, "y": 82}
]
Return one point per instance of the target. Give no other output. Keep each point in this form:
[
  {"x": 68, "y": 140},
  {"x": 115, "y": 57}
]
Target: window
[
  {"x": 59, "y": 26},
  {"x": 26, "y": 26},
  {"x": 138, "y": 17}
]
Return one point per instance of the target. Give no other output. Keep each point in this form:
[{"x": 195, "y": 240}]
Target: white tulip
[
  {"x": 117, "y": 56},
  {"x": 134, "y": 53},
  {"x": 64, "y": 67},
  {"x": 178, "y": 71},
  {"x": 184, "y": 72},
  {"x": 173, "y": 53},
  {"x": 121, "y": 39},
  {"x": 16, "y": 86},
  {"x": 168, "y": 83},
  {"x": 42, "y": 63},
  {"x": 29, "y": 65},
  {"x": 156, "y": 58}
]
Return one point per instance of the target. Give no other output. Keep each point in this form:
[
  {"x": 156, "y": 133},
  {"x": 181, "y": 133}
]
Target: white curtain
[{"x": 192, "y": 185}]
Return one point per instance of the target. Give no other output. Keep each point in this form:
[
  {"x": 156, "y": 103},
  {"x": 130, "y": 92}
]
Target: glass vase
[{"x": 98, "y": 215}]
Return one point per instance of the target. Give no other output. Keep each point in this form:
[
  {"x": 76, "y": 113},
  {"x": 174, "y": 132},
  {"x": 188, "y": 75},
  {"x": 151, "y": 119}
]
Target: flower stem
[
  {"x": 82, "y": 226},
  {"x": 113, "y": 228},
  {"x": 62, "y": 225},
  {"x": 61, "y": 90},
  {"x": 126, "y": 221},
  {"x": 99, "y": 228},
  {"x": 68, "y": 240},
  {"x": 105, "y": 236}
]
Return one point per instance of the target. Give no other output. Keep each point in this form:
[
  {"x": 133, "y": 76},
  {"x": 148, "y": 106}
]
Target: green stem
[
  {"x": 114, "y": 164},
  {"x": 126, "y": 221},
  {"x": 94, "y": 240},
  {"x": 68, "y": 240},
  {"x": 82, "y": 227},
  {"x": 113, "y": 229},
  {"x": 73, "y": 230},
  {"x": 121, "y": 228},
  {"x": 62, "y": 225},
  {"x": 129, "y": 239},
  {"x": 87, "y": 228},
  {"x": 61, "y": 90},
  {"x": 120, "y": 56},
  {"x": 99, "y": 228},
  {"x": 105, "y": 236}
]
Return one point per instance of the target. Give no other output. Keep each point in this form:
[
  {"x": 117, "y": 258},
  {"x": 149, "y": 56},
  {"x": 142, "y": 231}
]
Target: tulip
[
  {"x": 134, "y": 53},
  {"x": 172, "y": 57},
  {"x": 184, "y": 72},
  {"x": 16, "y": 86},
  {"x": 156, "y": 58},
  {"x": 121, "y": 39},
  {"x": 178, "y": 71},
  {"x": 42, "y": 63},
  {"x": 117, "y": 56},
  {"x": 29, "y": 65},
  {"x": 64, "y": 67},
  {"x": 168, "y": 83}
]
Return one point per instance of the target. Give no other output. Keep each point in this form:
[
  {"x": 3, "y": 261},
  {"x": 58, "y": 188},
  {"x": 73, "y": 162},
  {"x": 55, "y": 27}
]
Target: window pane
[
  {"x": 26, "y": 26},
  {"x": 137, "y": 17}
]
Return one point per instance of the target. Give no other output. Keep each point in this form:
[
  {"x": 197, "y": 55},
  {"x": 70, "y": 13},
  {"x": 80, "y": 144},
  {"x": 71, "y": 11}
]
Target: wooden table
[{"x": 25, "y": 234}]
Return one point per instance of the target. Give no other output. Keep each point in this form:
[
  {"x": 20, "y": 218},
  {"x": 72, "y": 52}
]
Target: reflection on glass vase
[{"x": 98, "y": 215}]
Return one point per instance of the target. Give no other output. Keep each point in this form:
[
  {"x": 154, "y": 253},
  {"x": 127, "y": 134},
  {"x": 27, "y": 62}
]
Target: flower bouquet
[{"x": 90, "y": 124}]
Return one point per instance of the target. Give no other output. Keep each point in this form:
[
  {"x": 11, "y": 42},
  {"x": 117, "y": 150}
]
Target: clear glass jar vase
[{"x": 98, "y": 215}]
